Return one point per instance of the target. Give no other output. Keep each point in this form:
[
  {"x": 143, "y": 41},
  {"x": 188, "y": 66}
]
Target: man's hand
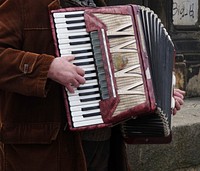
[
  {"x": 178, "y": 97},
  {"x": 67, "y": 74}
]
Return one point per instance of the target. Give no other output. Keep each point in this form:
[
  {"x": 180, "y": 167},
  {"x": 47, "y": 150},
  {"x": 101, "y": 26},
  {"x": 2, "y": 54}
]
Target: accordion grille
[{"x": 125, "y": 58}]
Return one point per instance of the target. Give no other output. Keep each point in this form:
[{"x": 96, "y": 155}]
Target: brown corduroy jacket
[
  {"x": 27, "y": 97},
  {"x": 31, "y": 106}
]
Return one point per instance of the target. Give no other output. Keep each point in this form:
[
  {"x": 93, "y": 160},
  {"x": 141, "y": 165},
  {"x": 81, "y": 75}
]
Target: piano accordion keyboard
[{"x": 73, "y": 39}]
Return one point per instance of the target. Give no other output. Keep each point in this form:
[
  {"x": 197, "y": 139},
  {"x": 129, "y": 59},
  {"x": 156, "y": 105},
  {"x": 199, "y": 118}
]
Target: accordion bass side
[{"x": 128, "y": 59}]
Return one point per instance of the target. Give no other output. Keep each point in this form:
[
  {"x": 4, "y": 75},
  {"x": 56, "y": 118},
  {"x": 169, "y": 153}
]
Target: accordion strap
[{"x": 83, "y": 3}]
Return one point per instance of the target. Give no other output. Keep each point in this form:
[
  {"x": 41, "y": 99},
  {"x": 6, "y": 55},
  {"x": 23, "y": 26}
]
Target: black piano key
[
  {"x": 90, "y": 108},
  {"x": 78, "y": 36},
  {"x": 76, "y": 28},
  {"x": 88, "y": 93},
  {"x": 73, "y": 15},
  {"x": 91, "y": 78},
  {"x": 87, "y": 87},
  {"x": 83, "y": 57},
  {"x": 84, "y": 63},
  {"x": 90, "y": 72},
  {"x": 79, "y": 43},
  {"x": 75, "y": 21},
  {"x": 90, "y": 99},
  {"x": 81, "y": 51},
  {"x": 91, "y": 114}
]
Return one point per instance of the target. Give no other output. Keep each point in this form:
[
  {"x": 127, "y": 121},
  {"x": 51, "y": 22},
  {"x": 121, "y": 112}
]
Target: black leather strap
[
  {"x": 89, "y": 3},
  {"x": 72, "y": 3}
]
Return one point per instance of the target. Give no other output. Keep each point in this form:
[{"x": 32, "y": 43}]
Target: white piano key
[
  {"x": 89, "y": 122},
  {"x": 93, "y": 82},
  {"x": 75, "y": 47},
  {"x": 66, "y": 46},
  {"x": 66, "y": 40},
  {"x": 67, "y": 51},
  {"x": 80, "y": 33},
  {"x": 63, "y": 14},
  {"x": 64, "y": 52},
  {"x": 79, "y": 108},
  {"x": 78, "y": 102},
  {"x": 90, "y": 75},
  {"x": 76, "y": 92},
  {"x": 94, "y": 89},
  {"x": 84, "y": 54},
  {"x": 64, "y": 35},
  {"x": 59, "y": 20},
  {"x": 64, "y": 20},
  {"x": 89, "y": 86},
  {"x": 83, "y": 119},
  {"x": 75, "y": 97},
  {"x": 65, "y": 30},
  {"x": 79, "y": 55},
  {"x": 65, "y": 25},
  {"x": 90, "y": 67},
  {"x": 79, "y": 61},
  {"x": 89, "y": 83}
]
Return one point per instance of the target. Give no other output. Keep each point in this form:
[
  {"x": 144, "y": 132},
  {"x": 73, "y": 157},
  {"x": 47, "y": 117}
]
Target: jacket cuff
[{"x": 43, "y": 83}]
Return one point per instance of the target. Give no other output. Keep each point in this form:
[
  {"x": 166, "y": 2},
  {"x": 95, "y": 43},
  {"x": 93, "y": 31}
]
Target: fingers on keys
[{"x": 77, "y": 80}]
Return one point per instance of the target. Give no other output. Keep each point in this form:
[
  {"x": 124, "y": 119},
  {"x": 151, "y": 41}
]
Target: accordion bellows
[{"x": 128, "y": 59}]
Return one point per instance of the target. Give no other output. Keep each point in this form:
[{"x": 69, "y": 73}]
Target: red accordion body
[{"x": 114, "y": 46}]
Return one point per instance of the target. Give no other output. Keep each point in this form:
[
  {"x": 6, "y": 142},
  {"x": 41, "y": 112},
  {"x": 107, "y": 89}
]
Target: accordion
[{"x": 128, "y": 58}]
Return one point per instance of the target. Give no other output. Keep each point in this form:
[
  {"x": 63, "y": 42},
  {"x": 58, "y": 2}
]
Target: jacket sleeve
[{"x": 20, "y": 72}]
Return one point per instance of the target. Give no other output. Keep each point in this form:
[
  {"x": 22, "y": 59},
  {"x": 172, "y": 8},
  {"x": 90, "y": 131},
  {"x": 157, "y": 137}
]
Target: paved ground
[
  {"x": 189, "y": 114},
  {"x": 182, "y": 154}
]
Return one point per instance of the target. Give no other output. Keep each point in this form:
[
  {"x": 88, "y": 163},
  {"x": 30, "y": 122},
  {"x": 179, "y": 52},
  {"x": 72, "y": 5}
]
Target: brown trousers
[
  {"x": 60, "y": 155},
  {"x": 55, "y": 156}
]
